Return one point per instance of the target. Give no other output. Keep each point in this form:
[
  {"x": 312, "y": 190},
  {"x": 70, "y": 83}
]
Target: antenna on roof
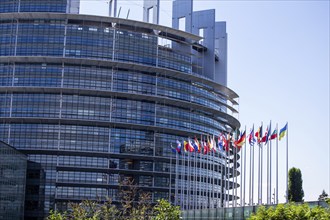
[
  {"x": 119, "y": 12},
  {"x": 128, "y": 13}
]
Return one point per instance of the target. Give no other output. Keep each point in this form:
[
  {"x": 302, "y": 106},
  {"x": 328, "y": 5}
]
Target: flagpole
[
  {"x": 222, "y": 177},
  {"x": 277, "y": 164},
  {"x": 225, "y": 172},
  {"x": 194, "y": 181},
  {"x": 203, "y": 176},
  {"x": 252, "y": 188},
  {"x": 195, "y": 174},
  {"x": 213, "y": 167},
  {"x": 287, "y": 163},
  {"x": 234, "y": 177},
  {"x": 170, "y": 183},
  {"x": 188, "y": 179},
  {"x": 200, "y": 174},
  {"x": 241, "y": 179},
  {"x": 267, "y": 201},
  {"x": 270, "y": 170},
  {"x": 244, "y": 182},
  {"x": 225, "y": 177},
  {"x": 207, "y": 175},
  {"x": 250, "y": 175},
  {"x": 183, "y": 177},
  {"x": 176, "y": 179},
  {"x": 259, "y": 159},
  {"x": 261, "y": 172}
]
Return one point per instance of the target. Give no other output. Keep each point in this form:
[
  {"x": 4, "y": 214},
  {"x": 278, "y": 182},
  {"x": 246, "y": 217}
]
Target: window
[{"x": 182, "y": 24}]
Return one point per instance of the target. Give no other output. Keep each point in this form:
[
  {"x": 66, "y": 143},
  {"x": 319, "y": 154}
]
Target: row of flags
[
  {"x": 223, "y": 142},
  {"x": 268, "y": 134}
]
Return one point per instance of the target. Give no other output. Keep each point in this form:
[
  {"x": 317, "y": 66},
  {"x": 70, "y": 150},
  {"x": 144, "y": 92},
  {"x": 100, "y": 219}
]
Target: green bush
[{"x": 292, "y": 211}]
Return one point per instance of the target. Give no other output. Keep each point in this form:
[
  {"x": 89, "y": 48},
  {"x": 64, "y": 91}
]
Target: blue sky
[{"x": 278, "y": 63}]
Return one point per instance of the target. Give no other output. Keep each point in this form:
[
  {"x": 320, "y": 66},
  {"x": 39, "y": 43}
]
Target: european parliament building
[{"x": 95, "y": 100}]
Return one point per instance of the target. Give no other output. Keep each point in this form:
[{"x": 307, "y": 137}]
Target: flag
[
  {"x": 185, "y": 146},
  {"x": 190, "y": 146},
  {"x": 252, "y": 140},
  {"x": 239, "y": 143},
  {"x": 283, "y": 131},
  {"x": 198, "y": 145},
  {"x": 259, "y": 134},
  {"x": 194, "y": 144},
  {"x": 274, "y": 135},
  {"x": 226, "y": 142},
  {"x": 173, "y": 149},
  {"x": 206, "y": 149},
  {"x": 267, "y": 135},
  {"x": 213, "y": 144},
  {"x": 269, "y": 130},
  {"x": 209, "y": 145},
  {"x": 220, "y": 142},
  {"x": 178, "y": 146}
]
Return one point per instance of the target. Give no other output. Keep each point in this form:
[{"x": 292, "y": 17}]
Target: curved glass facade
[{"x": 95, "y": 102}]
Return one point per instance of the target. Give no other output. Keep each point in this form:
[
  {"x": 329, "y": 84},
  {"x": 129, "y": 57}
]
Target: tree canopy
[
  {"x": 323, "y": 196},
  {"x": 296, "y": 192},
  {"x": 134, "y": 205},
  {"x": 292, "y": 211}
]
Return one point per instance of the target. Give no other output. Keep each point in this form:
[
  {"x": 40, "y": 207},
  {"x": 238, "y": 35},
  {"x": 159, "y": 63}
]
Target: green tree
[
  {"x": 165, "y": 211},
  {"x": 296, "y": 193},
  {"x": 135, "y": 205},
  {"x": 323, "y": 196},
  {"x": 291, "y": 211}
]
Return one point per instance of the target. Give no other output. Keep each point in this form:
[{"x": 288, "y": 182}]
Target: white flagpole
[
  {"x": 252, "y": 189},
  {"x": 251, "y": 174},
  {"x": 267, "y": 201},
  {"x": 259, "y": 159},
  {"x": 183, "y": 175},
  {"x": 222, "y": 177},
  {"x": 225, "y": 178},
  {"x": 206, "y": 187},
  {"x": 207, "y": 176},
  {"x": 234, "y": 177},
  {"x": 270, "y": 170},
  {"x": 241, "y": 179},
  {"x": 236, "y": 164},
  {"x": 213, "y": 186},
  {"x": 176, "y": 179},
  {"x": 287, "y": 163},
  {"x": 200, "y": 176},
  {"x": 203, "y": 177},
  {"x": 277, "y": 163},
  {"x": 170, "y": 188},
  {"x": 188, "y": 179},
  {"x": 195, "y": 173},
  {"x": 261, "y": 170},
  {"x": 244, "y": 182}
]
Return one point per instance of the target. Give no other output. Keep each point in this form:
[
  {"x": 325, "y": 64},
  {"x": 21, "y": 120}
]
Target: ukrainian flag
[{"x": 283, "y": 131}]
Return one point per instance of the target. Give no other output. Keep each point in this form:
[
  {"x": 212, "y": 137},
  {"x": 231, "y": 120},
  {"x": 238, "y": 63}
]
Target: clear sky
[{"x": 278, "y": 63}]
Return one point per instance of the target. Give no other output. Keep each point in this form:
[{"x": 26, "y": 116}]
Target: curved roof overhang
[{"x": 149, "y": 28}]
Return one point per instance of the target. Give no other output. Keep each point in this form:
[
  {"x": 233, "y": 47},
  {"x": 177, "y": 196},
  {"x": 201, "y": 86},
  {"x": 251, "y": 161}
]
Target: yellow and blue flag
[{"x": 283, "y": 131}]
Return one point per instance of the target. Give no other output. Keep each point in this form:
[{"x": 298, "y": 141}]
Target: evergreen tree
[
  {"x": 296, "y": 193},
  {"x": 323, "y": 196}
]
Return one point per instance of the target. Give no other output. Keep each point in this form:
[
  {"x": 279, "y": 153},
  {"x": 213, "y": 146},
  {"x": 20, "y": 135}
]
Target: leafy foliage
[
  {"x": 165, "y": 211},
  {"x": 323, "y": 196},
  {"x": 135, "y": 205},
  {"x": 291, "y": 211},
  {"x": 296, "y": 193}
]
